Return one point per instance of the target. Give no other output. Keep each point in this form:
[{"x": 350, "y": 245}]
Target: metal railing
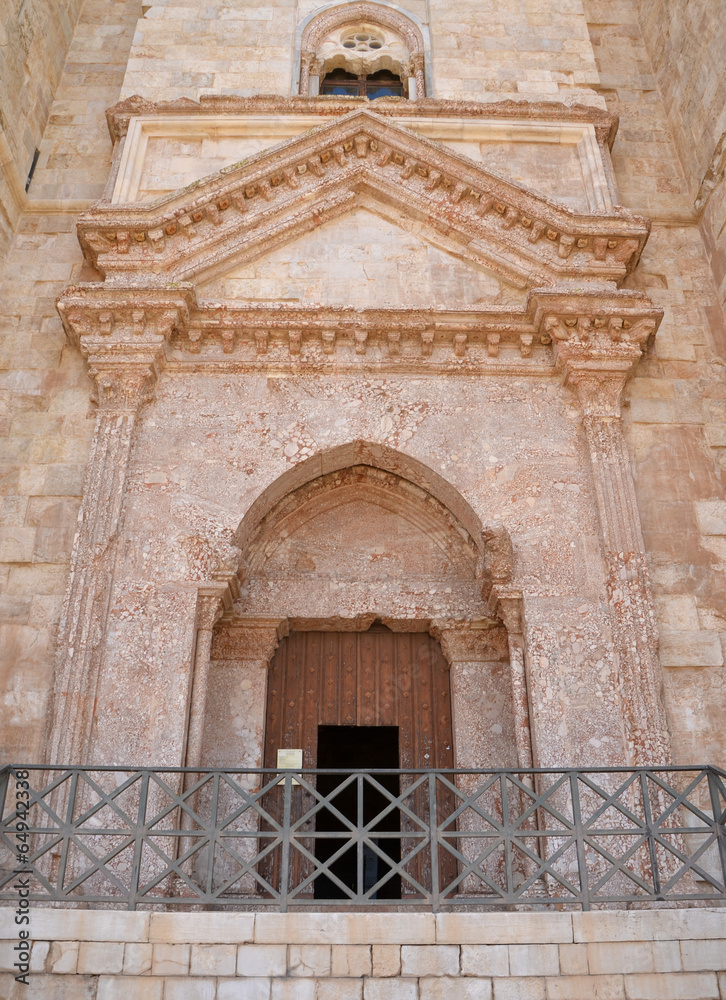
[{"x": 435, "y": 839}]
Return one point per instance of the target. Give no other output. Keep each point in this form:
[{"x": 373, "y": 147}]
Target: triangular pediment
[
  {"x": 366, "y": 261},
  {"x": 359, "y": 161}
]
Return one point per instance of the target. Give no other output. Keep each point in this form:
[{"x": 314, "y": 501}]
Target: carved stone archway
[{"x": 405, "y": 27}]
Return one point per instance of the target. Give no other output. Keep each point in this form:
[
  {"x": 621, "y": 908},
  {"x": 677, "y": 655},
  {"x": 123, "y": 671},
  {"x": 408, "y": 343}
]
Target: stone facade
[{"x": 276, "y": 361}]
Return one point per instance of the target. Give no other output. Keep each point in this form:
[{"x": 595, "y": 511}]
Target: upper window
[
  {"x": 380, "y": 84},
  {"x": 362, "y": 49}
]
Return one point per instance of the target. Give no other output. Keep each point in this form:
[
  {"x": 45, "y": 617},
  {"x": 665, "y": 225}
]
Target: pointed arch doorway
[{"x": 359, "y": 700}]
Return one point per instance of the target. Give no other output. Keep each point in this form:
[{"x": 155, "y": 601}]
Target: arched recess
[
  {"x": 359, "y": 533},
  {"x": 406, "y": 43}
]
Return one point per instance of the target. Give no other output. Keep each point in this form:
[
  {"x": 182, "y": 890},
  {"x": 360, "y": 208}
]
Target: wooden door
[{"x": 374, "y": 678}]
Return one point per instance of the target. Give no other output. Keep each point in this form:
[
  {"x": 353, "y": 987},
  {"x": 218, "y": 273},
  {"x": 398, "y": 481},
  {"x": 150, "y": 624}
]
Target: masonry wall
[
  {"x": 614, "y": 53},
  {"x": 657, "y": 955}
]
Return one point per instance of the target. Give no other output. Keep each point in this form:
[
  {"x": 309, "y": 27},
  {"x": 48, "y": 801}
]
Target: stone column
[
  {"x": 510, "y": 609},
  {"x": 211, "y": 604},
  {"x": 306, "y": 59},
  {"x": 123, "y": 386},
  {"x": 598, "y": 383},
  {"x": 417, "y": 61}
]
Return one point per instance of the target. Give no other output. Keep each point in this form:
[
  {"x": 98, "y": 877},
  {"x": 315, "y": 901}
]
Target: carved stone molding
[
  {"x": 119, "y": 115},
  {"x": 283, "y": 192},
  {"x": 111, "y": 323}
]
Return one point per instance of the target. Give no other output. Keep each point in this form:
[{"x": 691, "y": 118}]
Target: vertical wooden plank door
[{"x": 374, "y": 678}]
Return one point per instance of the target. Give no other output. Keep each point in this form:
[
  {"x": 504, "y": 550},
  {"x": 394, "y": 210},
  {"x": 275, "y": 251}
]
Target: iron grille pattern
[{"x": 433, "y": 839}]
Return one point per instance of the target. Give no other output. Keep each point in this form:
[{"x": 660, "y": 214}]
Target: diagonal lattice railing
[{"x": 428, "y": 838}]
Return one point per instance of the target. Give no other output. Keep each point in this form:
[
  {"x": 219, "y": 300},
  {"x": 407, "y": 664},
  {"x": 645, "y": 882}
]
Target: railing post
[
  {"x": 139, "y": 841},
  {"x": 434, "y": 842},
  {"x": 648, "y": 817},
  {"x": 360, "y": 839},
  {"x": 580, "y": 841},
  {"x": 285, "y": 866},
  {"x": 719, "y": 819}
]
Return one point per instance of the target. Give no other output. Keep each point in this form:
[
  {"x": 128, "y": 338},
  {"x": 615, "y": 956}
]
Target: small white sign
[{"x": 290, "y": 759}]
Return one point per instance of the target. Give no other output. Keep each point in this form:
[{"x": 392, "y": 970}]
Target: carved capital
[
  {"x": 124, "y": 385},
  {"x": 249, "y": 639},
  {"x": 460, "y": 643},
  {"x": 598, "y": 384}
]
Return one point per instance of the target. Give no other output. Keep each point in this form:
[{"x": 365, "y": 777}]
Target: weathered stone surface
[{"x": 686, "y": 986}]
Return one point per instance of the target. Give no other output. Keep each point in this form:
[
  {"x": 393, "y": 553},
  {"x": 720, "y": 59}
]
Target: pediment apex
[{"x": 248, "y": 208}]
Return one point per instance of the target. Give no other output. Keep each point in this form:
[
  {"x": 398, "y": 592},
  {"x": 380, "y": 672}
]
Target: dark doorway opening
[{"x": 360, "y": 748}]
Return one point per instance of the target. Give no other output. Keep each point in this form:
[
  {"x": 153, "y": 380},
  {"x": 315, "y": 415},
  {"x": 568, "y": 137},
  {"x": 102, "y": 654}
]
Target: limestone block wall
[
  {"x": 673, "y": 954},
  {"x": 34, "y": 39},
  {"x": 480, "y": 50}
]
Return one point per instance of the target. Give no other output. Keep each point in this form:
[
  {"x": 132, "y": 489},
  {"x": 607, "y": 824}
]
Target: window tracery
[{"x": 362, "y": 39}]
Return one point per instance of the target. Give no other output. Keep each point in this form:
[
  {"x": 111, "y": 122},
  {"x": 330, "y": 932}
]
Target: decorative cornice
[
  {"x": 604, "y": 122},
  {"x": 118, "y": 323},
  {"x": 248, "y": 209}
]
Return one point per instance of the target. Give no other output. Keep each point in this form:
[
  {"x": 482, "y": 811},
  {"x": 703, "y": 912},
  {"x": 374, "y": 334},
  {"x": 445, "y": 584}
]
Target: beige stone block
[
  {"x": 513, "y": 988},
  {"x": 351, "y": 960},
  {"x": 137, "y": 959},
  {"x": 455, "y": 988},
  {"x": 666, "y": 957},
  {"x": 484, "y": 960},
  {"x": 170, "y": 960},
  {"x": 534, "y": 959},
  {"x": 390, "y": 989},
  {"x": 339, "y": 989},
  {"x": 651, "y": 411},
  {"x": 678, "y": 986},
  {"x": 81, "y": 925},
  {"x": 244, "y": 989},
  {"x": 16, "y": 544},
  {"x": 262, "y": 960},
  {"x": 38, "y": 955},
  {"x": 573, "y": 960},
  {"x": 344, "y": 928},
  {"x": 189, "y": 989},
  {"x": 704, "y": 955},
  {"x": 496, "y": 928},
  {"x": 430, "y": 960},
  {"x": 677, "y": 612},
  {"x": 722, "y": 983},
  {"x": 292, "y": 989},
  {"x": 386, "y": 960},
  {"x": 49, "y": 988},
  {"x": 620, "y": 956},
  {"x": 308, "y": 960},
  {"x": 63, "y": 957},
  {"x": 8, "y": 956},
  {"x": 99, "y": 957},
  {"x": 690, "y": 649},
  {"x": 650, "y": 925},
  {"x": 711, "y": 516},
  {"x": 129, "y": 988},
  {"x": 213, "y": 960},
  {"x": 585, "y": 988},
  {"x": 201, "y": 928}
]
